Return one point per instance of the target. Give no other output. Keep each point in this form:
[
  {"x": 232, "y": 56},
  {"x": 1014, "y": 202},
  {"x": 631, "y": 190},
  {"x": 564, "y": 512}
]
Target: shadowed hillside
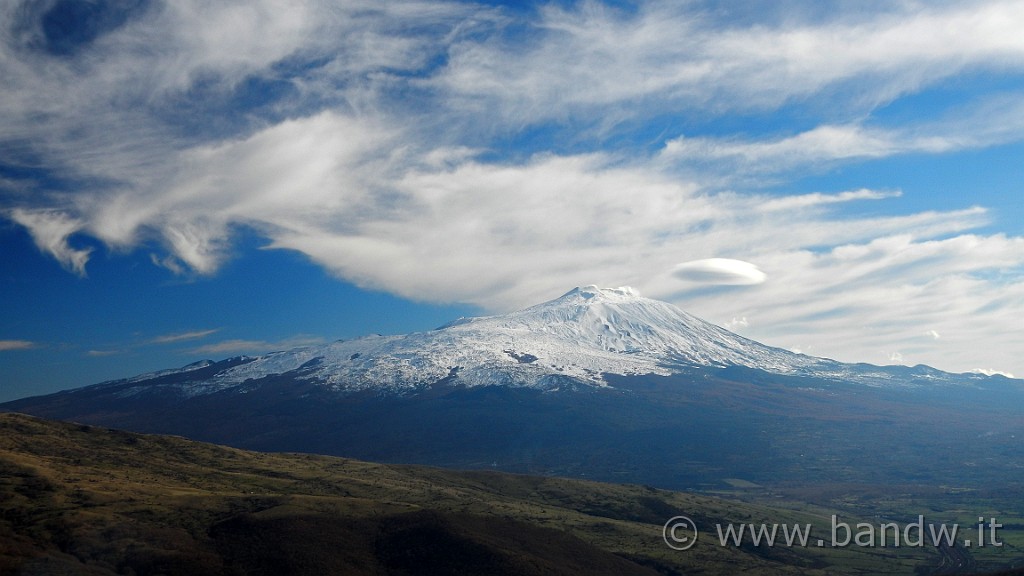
[{"x": 80, "y": 499}]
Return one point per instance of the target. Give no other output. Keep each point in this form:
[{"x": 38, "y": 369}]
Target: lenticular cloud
[{"x": 724, "y": 271}]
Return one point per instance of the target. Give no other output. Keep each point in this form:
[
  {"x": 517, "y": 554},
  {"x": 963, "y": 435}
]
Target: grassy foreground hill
[{"x": 78, "y": 499}]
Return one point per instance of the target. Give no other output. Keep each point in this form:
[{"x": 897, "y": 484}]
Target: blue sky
[{"x": 187, "y": 180}]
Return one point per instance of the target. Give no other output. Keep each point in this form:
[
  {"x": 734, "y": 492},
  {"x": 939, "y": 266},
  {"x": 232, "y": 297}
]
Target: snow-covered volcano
[{"x": 581, "y": 337}]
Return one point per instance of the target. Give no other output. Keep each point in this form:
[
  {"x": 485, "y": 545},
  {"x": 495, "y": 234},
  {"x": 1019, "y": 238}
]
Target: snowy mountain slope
[{"x": 578, "y": 338}]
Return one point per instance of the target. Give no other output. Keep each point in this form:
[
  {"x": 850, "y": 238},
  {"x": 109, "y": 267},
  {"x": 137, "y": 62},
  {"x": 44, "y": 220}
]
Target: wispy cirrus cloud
[
  {"x": 183, "y": 336},
  {"x": 681, "y": 56},
  {"x": 17, "y": 345},
  {"x": 255, "y": 346},
  {"x": 164, "y": 339},
  {"x": 989, "y": 123},
  {"x": 51, "y": 230}
]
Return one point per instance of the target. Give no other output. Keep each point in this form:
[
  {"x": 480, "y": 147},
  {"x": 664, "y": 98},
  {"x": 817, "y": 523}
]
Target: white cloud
[
  {"x": 990, "y": 372},
  {"x": 725, "y": 271},
  {"x": 255, "y": 346},
  {"x": 822, "y": 143},
  {"x": 50, "y": 229},
  {"x": 737, "y": 324},
  {"x": 17, "y": 345},
  {"x": 183, "y": 336},
  {"x": 674, "y": 56},
  {"x": 992, "y": 122},
  {"x": 817, "y": 199}
]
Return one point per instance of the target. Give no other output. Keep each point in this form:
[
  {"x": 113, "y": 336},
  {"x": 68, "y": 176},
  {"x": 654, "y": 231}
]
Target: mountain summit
[{"x": 590, "y": 331}]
